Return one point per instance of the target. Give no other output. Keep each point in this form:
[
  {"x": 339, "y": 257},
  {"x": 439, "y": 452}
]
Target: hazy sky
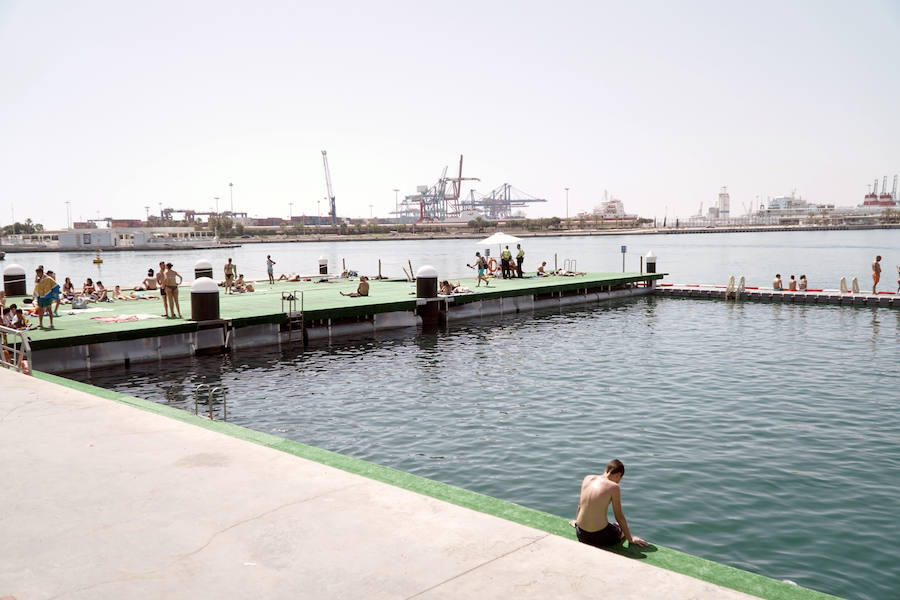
[{"x": 116, "y": 105}]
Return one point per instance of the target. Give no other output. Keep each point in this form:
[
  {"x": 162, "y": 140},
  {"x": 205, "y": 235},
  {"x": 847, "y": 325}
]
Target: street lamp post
[
  {"x": 217, "y": 205},
  {"x": 397, "y": 204},
  {"x": 567, "y": 207},
  {"x": 231, "y": 197},
  {"x": 370, "y": 211},
  {"x": 318, "y": 211},
  {"x": 290, "y": 211}
]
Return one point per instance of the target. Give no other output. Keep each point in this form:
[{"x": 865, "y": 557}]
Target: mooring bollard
[
  {"x": 14, "y": 280},
  {"x": 427, "y": 302},
  {"x": 203, "y": 268},
  {"x": 650, "y": 260},
  {"x": 323, "y": 265},
  {"x": 204, "y": 300}
]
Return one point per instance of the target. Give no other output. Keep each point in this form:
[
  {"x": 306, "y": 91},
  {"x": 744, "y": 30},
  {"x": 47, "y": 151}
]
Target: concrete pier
[
  {"x": 125, "y": 332},
  {"x": 107, "y": 496}
]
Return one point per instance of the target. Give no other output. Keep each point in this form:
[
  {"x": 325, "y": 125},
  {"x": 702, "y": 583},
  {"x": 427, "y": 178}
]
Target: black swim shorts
[{"x": 608, "y": 536}]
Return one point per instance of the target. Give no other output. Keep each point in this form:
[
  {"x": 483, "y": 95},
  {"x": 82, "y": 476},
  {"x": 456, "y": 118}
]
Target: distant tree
[{"x": 239, "y": 229}]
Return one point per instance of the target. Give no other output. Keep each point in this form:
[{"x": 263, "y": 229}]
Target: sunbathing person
[
  {"x": 100, "y": 294},
  {"x": 118, "y": 295},
  {"x": 149, "y": 282},
  {"x": 291, "y": 277},
  {"x": 87, "y": 290},
  {"x": 361, "y": 290},
  {"x": 461, "y": 289}
]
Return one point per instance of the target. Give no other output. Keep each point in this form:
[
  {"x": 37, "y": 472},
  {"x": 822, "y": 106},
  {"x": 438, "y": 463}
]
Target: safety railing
[{"x": 15, "y": 350}]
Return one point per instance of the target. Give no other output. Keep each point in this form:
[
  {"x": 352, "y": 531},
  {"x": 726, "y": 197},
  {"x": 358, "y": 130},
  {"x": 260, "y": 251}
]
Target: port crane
[{"x": 331, "y": 207}]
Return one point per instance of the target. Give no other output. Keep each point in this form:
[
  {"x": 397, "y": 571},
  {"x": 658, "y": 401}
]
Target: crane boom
[{"x": 331, "y": 209}]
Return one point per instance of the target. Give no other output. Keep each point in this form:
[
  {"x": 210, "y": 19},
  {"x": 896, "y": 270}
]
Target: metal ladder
[
  {"x": 570, "y": 265},
  {"x": 295, "y": 320},
  {"x": 211, "y": 394},
  {"x": 15, "y": 350}
]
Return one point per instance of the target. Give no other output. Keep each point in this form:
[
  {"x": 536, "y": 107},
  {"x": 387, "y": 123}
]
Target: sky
[{"x": 117, "y": 106}]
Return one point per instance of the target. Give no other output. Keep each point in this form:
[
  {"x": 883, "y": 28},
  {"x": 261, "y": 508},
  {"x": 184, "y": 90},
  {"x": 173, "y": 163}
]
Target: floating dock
[
  {"x": 110, "y": 496},
  {"x": 887, "y": 299},
  {"x": 306, "y": 312}
]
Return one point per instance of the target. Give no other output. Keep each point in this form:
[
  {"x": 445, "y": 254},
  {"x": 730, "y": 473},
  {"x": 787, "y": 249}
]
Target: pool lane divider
[{"x": 666, "y": 558}]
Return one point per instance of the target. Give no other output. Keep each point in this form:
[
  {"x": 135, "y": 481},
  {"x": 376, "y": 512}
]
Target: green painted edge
[{"x": 666, "y": 558}]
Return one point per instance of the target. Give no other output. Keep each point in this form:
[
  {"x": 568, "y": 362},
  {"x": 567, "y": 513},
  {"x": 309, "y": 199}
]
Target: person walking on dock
[
  {"x": 597, "y": 493},
  {"x": 161, "y": 282},
  {"x": 876, "y": 273},
  {"x": 505, "y": 257},
  {"x": 520, "y": 258},
  {"x": 270, "y": 264},
  {"x": 481, "y": 264},
  {"x": 230, "y": 272}
]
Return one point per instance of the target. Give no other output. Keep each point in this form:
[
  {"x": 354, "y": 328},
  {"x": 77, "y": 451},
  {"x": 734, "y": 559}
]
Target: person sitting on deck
[
  {"x": 361, "y": 290},
  {"x": 100, "y": 294},
  {"x": 792, "y": 284},
  {"x": 541, "y": 271},
  {"x": 87, "y": 290},
  {"x": 149, "y": 282},
  {"x": 68, "y": 289},
  {"x": 597, "y": 493},
  {"x": 804, "y": 285},
  {"x": 776, "y": 283},
  {"x": 446, "y": 288}
]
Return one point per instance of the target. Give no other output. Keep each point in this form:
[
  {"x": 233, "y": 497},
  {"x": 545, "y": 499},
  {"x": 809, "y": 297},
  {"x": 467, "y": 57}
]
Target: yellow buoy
[{"x": 97, "y": 259}]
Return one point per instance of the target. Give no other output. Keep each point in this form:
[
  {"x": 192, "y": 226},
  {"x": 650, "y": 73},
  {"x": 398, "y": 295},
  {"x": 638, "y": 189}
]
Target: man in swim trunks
[
  {"x": 876, "y": 273},
  {"x": 776, "y": 283},
  {"x": 270, "y": 264},
  {"x": 597, "y": 493},
  {"x": 230, "y": 272}
]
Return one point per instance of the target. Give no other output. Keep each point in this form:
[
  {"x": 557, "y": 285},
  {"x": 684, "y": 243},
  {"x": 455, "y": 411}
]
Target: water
[
  {"x": 764, "y": 436},
  {"x": 823, "y": 256}
]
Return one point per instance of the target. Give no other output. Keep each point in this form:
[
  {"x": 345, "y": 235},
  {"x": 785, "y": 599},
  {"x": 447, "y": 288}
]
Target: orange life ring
[{"x": 493, "y": 266}]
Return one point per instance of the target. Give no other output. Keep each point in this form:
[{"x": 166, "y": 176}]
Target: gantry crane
[{"x": 332, "y": 210}]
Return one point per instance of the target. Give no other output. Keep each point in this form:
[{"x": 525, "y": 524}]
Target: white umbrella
[{"x": 500, "y": 238}]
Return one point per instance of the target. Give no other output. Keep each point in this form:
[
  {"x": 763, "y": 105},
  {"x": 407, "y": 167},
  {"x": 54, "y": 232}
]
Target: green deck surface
[
  {"x": 659, "y": 556},
  {"x": 320, "y": 300}
]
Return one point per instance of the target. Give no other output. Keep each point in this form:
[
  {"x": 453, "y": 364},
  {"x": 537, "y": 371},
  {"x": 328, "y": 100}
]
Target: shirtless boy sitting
[{"x": 597, "y": 493}]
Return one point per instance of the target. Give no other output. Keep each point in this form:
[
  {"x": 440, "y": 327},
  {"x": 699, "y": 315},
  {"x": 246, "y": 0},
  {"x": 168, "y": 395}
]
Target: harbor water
[
  {"x": 823, "y": 256},
  {"x": 763, "y": 436}
]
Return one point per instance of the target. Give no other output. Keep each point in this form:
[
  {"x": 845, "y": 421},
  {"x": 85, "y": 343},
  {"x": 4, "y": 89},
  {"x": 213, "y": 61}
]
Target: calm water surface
[{"x": 763, "y": 436}]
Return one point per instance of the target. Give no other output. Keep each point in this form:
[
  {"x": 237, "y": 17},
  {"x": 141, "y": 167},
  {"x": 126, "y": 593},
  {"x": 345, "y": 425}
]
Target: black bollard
[
  {"x": 14, "y": 281},
  {"x": 204, "y": 300}
]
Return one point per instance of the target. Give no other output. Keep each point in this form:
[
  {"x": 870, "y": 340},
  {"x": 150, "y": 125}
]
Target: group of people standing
[{"x": 506, "y": 264}]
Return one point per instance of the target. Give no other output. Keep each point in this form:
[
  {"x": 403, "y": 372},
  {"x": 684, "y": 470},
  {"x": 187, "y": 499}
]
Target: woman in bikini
[{"x": 173, "y": 280}]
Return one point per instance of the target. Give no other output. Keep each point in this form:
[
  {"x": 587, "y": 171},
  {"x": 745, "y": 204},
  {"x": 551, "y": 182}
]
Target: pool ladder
[
  {"x": 210, "y": 396},
  {"x": 295, "y": 320}
]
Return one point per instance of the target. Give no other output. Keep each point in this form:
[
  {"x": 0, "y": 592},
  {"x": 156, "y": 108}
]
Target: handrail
[{"x": 16, "y": 355}]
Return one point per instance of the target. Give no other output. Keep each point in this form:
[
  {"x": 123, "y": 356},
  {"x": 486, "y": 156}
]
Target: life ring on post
[{"x": 493, "y": 266}]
